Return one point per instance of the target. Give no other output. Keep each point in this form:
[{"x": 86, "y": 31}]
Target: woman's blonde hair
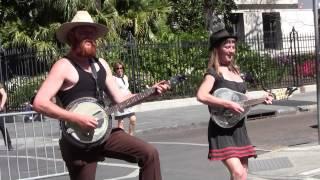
[{"x": 215, "y": 63}]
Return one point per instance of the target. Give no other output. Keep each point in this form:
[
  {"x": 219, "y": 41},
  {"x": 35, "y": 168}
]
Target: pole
[
  {"x": 1, "y": 60},
  {"x": 316, "y": 35}
]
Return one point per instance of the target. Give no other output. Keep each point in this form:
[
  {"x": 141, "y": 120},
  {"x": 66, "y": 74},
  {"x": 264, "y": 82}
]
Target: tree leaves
[{"x": 146, "y": 20}]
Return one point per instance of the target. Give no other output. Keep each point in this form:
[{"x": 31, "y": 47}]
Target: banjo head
[
  {"x": 88, "y": 106},
  {"x": 226, "y": 118}
]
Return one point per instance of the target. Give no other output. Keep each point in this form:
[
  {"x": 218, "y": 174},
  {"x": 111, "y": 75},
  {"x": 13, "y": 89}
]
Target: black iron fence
[{"x": 292, "y": 63}]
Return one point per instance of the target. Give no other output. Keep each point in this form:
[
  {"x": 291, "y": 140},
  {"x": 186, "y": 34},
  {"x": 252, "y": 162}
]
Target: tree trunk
[
  {"x": 208, "y": 12},
  {"x": 98, "y": 4}
]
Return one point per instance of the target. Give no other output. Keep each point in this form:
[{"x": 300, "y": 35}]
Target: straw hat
[
  {"x": 218, "y": 37},
  {"x": 82, "y": 18}
]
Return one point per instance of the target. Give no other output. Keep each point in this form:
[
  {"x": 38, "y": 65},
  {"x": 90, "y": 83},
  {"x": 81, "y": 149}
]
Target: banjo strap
[{"x": 99, "y": 93}]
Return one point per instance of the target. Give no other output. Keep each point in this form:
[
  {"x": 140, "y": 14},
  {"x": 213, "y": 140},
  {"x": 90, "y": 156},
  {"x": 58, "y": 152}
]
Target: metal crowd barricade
[{"x": 36, "y": 153}]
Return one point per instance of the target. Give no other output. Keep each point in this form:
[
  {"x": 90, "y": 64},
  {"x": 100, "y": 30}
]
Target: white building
[{"x": 273, "y": 19}]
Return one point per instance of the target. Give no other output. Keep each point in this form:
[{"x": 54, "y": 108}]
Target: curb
[
  {"x": 166, "y": 104},
  {"x": 175, "y": 103}
]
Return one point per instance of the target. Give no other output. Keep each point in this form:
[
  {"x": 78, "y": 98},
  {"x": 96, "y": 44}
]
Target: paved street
[
  {"x": 183, "y": 149},
  {"x": 180, "y": 136}
]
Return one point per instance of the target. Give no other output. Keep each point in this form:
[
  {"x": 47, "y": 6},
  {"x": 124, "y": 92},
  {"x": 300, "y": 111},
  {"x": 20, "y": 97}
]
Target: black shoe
[{"x": 10, "y": 147}]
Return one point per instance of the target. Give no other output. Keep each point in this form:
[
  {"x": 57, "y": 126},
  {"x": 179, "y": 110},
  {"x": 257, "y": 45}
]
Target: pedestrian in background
[
  {"x": 232, "y": 145},
  {"x": 123, "y": 84},
  {"x": 4, "y": 131}
]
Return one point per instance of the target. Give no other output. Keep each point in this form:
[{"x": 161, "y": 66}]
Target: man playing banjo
[{"x": 71, "y": 78}]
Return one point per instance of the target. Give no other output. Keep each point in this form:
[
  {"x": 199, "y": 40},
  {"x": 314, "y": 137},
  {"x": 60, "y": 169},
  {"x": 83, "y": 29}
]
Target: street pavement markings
[
  {"x": 302, "y": 148},
  {"x": 195, "y": 144},
  {"x": 31, "y": 157},
  {"x": 133, "y": 174},
  {"x": 179, "y": 143},
  {"x": 307, "y": 173}
]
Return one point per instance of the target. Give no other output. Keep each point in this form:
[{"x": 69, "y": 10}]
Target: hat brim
[
  {"x": 229, "y": 36},
  {"x": 216, "y": 41},
  {"x": 64, "y": 29},
  {"x": 223, "y": 36}
]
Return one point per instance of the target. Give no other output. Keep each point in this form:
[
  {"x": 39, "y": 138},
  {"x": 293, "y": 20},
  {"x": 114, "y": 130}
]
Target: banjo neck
[
  {"x": 253, "y": 102},
  {"x": 143, "y": 95},
  {"x": 131, "y": 101}
]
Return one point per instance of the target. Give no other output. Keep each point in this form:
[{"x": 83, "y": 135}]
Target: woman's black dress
[{"x": 225, "y": 143}]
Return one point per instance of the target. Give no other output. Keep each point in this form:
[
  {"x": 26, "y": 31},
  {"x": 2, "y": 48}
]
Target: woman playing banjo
[{"x": 229, "y": 145}]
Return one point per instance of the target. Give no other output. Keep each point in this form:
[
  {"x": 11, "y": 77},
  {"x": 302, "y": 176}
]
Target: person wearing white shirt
[{"x": 123, "y": 84}]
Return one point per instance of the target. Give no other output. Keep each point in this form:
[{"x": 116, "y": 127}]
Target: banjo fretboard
[{"x": 131, "y": 101}]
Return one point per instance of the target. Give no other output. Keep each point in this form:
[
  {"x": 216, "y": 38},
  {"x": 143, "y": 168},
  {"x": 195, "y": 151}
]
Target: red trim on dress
[{"x": 230, "y": 152}]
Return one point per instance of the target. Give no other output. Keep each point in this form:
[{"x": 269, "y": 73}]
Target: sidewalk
[
  {"x": 291, "y": 163},
  {"x": 301, "y": 98},
  {"x": 187, "y": 111},
  {"x": 295, "y": 163}
]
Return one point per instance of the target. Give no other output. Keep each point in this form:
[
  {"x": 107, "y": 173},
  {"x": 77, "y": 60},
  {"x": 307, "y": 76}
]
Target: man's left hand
[
  {"x": 161, "y": 87},
  {"x": 268, "y": 99}
]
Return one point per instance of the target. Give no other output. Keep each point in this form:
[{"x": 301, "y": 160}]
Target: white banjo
[
  {"x": 89, "y": 106},
  {"x": 224, "y": 117}
]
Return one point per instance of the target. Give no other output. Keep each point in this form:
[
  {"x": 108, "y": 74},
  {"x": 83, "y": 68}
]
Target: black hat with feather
[{"x": 218, "y": 33}]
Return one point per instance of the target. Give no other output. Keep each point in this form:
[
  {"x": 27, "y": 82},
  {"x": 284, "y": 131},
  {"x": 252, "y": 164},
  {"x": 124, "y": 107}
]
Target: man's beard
[{"x": 85, "y": 50}]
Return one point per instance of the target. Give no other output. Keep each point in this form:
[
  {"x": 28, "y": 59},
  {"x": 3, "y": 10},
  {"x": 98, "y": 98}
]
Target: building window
[
  {"x": 272, "y": 34},
  {"x": 237, "y": 25}
]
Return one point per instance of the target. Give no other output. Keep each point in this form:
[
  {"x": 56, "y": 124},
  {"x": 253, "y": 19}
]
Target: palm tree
[
  {"x": 33, "y": 23},
  {"x": 26, "y": 26},
  {"x": 142, "y": 18}
]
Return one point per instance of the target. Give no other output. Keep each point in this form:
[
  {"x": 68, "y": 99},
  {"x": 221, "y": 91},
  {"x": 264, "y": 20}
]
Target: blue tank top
[{"x": 86, "y": 85}]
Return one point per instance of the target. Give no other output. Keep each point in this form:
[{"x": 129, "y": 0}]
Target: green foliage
[
  {"x": 186, "y": 16},
  {"x": 221, "y": 8},
  {"x": 306, "y": 57},
  {"x": 263, "y": 68},
  {"x": 151, "y": 62},
  {"x": 21, "y": 89},
  {"x": 33, "y": 23},
  {"x": 25, "y": 25}
]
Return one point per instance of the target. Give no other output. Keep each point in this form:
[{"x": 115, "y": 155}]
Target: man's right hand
[{"x": 85, "y": 122}]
